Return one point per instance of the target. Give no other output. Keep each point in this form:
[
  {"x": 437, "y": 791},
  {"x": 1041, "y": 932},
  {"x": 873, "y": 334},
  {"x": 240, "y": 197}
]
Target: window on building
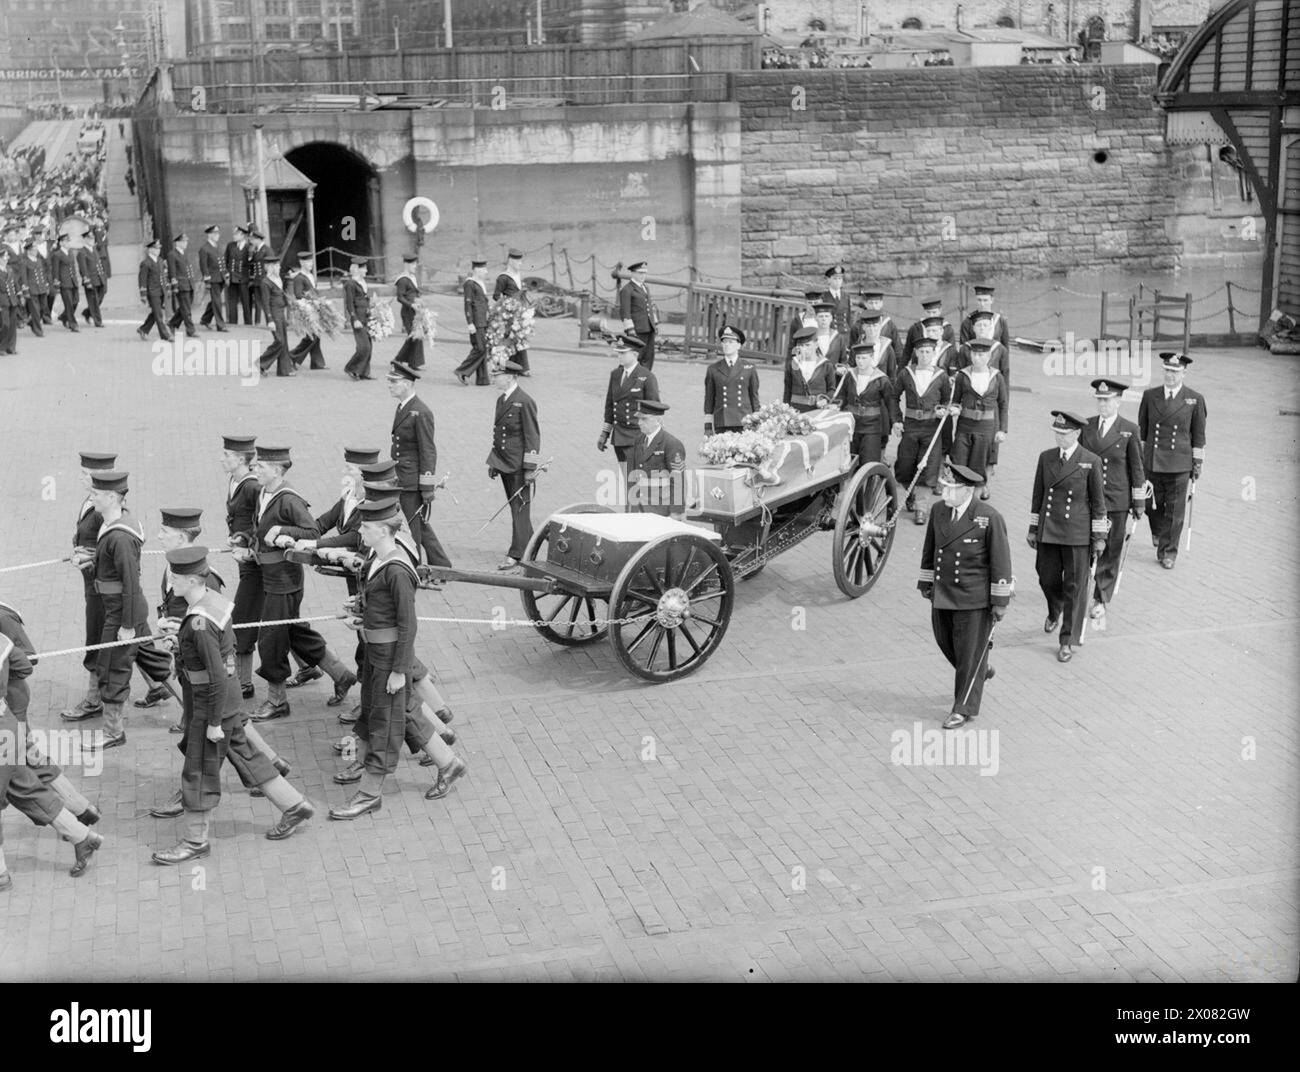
[
  {"x": 307, "y": 7},
  {"x": 237, "y": 31},
  {"x": 277, "y": 31},
  {"x": 308, "y": 31},
  {"x": 912, "y": 23},
  {"x": 277, "y": 7}
]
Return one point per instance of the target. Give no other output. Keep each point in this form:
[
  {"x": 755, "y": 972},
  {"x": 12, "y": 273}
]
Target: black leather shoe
[
  {"x": 445, "y": 716},
  {"x": 306, "y": 674},
  {"x": 257, "y": 791},
  {"x": 447, "y": 776},
  {"x": 114, "y": 742},
  {"x": 989, "y": 673},
  {"x": 169, "y": 810},
  {"x": 181, "y": 852},
  {"x": 351, "y": 716},
  {"x": 85, "y": 849},
  {"x": 290, "y": 821},
  {"x": 247, "y": 691},
  {"x": 90, "y": 816},
  {"x": 349, "y": 775},
  {"x": 448, "y": 736},
  {"x": 954, "y": 720},
  {"x": 1050, "y": 623},
  {"x": 282, "y": 768},
  {"x": 268, "y": 711},
  {"x": 1167, "y": 562},
  {"x": 341, "y": 689},
  {"x": 82, "y": 712},
  {"x": 365, "y": 377},
  {"x": 1064, "y": 654},
  {"x": 357, "y": 806},
  {"x": 176, "y": 727},
  {"x": 156, "y": 695}
]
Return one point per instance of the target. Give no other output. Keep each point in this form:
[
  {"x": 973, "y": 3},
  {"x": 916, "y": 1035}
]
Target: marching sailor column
[
  {"x": 966, "y": 575},
  {"x": 630, "y": 383},
  {"x": 515, "y": 455},
  {"x": 83, "y": 557},
  {"x": 213, "y": 724},
  {"x": 1062, "y": 530},
  {"x": 1171, "y": 420},
  {"x": 415, "y": 453},
  {"x": 282, "y": 518},
  {"x": 1116, "y": 442},
  {"x": 730, "y": 386}
]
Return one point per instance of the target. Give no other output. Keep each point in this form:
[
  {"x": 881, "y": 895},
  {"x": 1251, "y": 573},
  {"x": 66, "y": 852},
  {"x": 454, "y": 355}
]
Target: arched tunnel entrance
[{"x": 347, "y": 205}]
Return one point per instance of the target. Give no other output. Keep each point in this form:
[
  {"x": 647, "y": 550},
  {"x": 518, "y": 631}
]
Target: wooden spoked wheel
[
  {"x": 864, "y": 529},
  {"x": 563, "y": 617},
  {"x": 672, "y": 604}
]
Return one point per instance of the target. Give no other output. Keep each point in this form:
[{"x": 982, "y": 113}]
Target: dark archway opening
[{"x": 347, "y": 205}]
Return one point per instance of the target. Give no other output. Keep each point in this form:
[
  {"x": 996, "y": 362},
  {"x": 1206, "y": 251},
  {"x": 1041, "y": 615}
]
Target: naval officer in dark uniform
[
  {"x": 966, "y": 576},
  {"x": 416, "y": 456},
  {"x": 1067, "y": 518},
  {"x": 730, "y": 386},
  {"x": 515, "y": 456},
  {"x": 1118, "y": 444},
  {"x": 630, "y": 383},
  {"x": 638, "y": 311},
  {"x": 656, "y": 465},
  {"x": 1171, "y": 421}
]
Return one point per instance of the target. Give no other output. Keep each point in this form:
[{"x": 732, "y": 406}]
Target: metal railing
[{"x": 495, "y": 93}]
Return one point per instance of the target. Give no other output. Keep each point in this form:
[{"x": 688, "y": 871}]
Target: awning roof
[{"x": 280, "y": 175}]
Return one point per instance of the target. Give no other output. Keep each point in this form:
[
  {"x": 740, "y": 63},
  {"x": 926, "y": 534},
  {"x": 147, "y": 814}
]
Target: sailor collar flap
[{"x": 123, "y": 525}]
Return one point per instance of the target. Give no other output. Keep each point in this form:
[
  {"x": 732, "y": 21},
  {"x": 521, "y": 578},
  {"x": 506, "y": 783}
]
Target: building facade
[{"x": 246, "y": 27}]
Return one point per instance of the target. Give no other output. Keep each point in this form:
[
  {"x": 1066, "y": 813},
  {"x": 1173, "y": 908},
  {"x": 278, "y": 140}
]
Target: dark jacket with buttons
[
  {"x": 413, "y": 447},
  {"x": 1173, "y": 432},
  {"x": 1069, "y": 500},
  {"x": 622, "y": 399},
  {"x": 516, "y": 435},
  {"x": 966, "y": 564},
  {"x": 730, "y": 393},
  {"x": 1121, "y": 461}
]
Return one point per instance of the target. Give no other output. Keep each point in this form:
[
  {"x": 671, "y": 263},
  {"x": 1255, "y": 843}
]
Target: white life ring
[{"x": 408, "y": 214}]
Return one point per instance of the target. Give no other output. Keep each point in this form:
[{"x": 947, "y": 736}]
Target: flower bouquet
[
  {"x": 380, "y": 325},
  {"x": 737, "y": 448},
  {"x": 510, "y": 326},
  {"x": 776, "y": 419},
  {"x": 425, "y": 324},
  {"x": 314, "y": 316},
  {"x": 331, "y": 320}
]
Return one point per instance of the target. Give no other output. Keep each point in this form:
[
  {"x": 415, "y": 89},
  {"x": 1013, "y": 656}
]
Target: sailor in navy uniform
[
  {"x": 982, "y": 328},
  {"x": 1062, "y": 530},
  {"x": 868, "y": 394},
  {"x": 966, "y": 576},
  {"x": 630, "y": 383},
  {"x": 93, "y": 281},
  {"x": 64, "y": 276},
  {"x": 1171, "y": 421},
  {"x": 869, "y": 331},
  {"x": 356, "y": 311},
  {"x": 809, "y": 379},
  {"x": 873, "y": 305},
  {"x": 406, "y": 289},
  {"x": 510, "y": 284},
  {"x": 36, "y": 283},
  {"x": 945, "y": 353},
  {"x": 415, "y": 452},
  {"x": 212, "y": 273},
  {"x": 638, "y": 312},
  {"x": 730, "y": 386},
  {"x": 281, "y": 519},
  {"x": 11, "y": 302},
  {"x": 656, "y": 465},
  {"x": 276, "y": 307},
  {"x": 933, "y": 308},
  {"x": 515, "y": 456},
  {"x": 984, "y": 309},
  {"x": 838, "y": 299},
  {"x": 831, "y": 345},
  {"x": 242, "y": 489},
  {"x": 154, "y": 284},
  {"x": 475, "y": 297},
  {"x": 302, "y": 286},
  {"x": 89, "y": 523},
  {"x": 214, "y": 724},
  {"x": 235, "y": 272},
  {"x": 924, "y": 394},
  {"x": 1119, "y": 446},
  {"x": 182, "y": 276},
  {"x": 982, "y": 400},
  {"x": 255, "y": 266}
]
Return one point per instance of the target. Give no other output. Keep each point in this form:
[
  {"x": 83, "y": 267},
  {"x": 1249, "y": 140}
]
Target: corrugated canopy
[
  {"x": 1193, "y": 128},
  {"x": 280, "y": 175}
]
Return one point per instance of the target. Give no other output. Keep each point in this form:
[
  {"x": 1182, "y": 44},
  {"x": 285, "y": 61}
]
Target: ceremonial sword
[{"x": 540, "y": 469}]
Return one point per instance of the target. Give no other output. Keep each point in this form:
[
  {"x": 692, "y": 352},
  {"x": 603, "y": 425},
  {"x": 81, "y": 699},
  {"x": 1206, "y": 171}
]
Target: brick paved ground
[{"x": 1123, "y": 836}]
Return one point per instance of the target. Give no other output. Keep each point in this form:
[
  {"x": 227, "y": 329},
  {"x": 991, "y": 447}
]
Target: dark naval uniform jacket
[
  {"x": 407, "y": 292},
  {"x": 286, "y": 508},
  {"x": 153, "y": 277},
  {"x": 182, "y": 271},
  {"x": 1069, "y": 500},
  {"x": 1173, "y": 432},
  {"x": 210, "y": 268},
  {"x": 206, "y": 657},
  {"x": 730, "y": 392},
  {"x": 117, "y": 571},
  {"x": 1121, "y": 461},
  {"x": 966, "y": 564},
  {"x": 174, "y": 606},
  {"x": 516, "y": 435},
  {"x": 91, "y": 267},
  {"x": 346, "y": 518},
  {"x": 241, "y": 506},
  {"x": 387, "y": 600},
  {"x": 356, "y": 304},
  {"x": 235, "y": 267},
  {"x": 622, "y": 397},
  {"x": 413, "y": 446},
  {"x": 636, "y": 305},
  {"x": 650, "y": 465}
]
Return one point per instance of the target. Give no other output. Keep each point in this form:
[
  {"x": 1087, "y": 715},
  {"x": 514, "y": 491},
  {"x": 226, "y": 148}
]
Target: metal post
[
  {"x": 264, "y": 223},
  {"x": 311, "y": 227},
  {"x": 1155, "y": 318},
  {"x": 446, "y": 23},
  {"x": 1232, "y": 313},
  {"x": 541, "y": 34},
  {"x": 338, "y": 24}
]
